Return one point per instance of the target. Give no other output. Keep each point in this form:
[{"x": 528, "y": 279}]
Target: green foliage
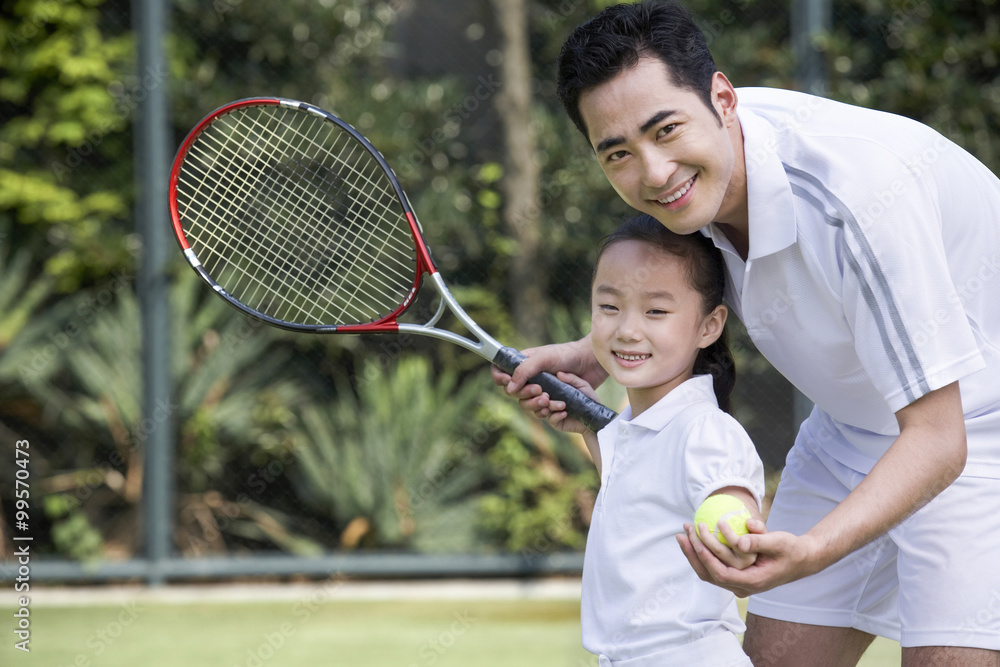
[
  {"x": 72, "y": 533},
  {"x": 396, "y": 460},
  {"x": 936, "y": 61},
  {"x": 546, "y": 488},
  {"x": 228, "y": 376},
  {"x": 20, "y": 298},
  {"x": 65, "y": 153},
  {"x": 220, "y": 369}
]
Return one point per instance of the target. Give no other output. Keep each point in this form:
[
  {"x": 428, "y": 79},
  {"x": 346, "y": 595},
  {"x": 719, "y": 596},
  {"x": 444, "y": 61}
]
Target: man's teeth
[
  {"x": 632, "y": 357},
  {"x": 677, "y": 195}
]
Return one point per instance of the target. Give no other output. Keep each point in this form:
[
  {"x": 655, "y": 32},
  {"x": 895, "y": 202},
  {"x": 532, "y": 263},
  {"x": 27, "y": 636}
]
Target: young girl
[{"x": 657, "y": 327}]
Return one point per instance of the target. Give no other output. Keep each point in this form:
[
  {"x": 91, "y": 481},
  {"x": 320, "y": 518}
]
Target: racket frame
[
  {"x": 594, "y": 414},
  {"x": 386, "y": 323}
]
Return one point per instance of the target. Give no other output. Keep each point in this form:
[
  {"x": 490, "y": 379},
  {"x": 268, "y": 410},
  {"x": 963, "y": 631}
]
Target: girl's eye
[
  {"x": 608, "y": 308},
  {"x": 656, "y": 311},
  {"x": 666, "y": 129}
]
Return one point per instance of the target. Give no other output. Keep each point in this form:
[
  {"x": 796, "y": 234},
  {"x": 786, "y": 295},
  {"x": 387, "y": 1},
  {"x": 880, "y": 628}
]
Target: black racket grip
[{"x": 591, "y": 413}]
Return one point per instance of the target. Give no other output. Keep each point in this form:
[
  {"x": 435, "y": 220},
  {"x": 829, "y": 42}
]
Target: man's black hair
[{"x": 615, "y": 40}]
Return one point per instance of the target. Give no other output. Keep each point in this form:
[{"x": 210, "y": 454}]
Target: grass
[{"x": 317, "y": 631}]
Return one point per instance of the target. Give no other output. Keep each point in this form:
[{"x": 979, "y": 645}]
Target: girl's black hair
[{"x": 706, "y": 275}]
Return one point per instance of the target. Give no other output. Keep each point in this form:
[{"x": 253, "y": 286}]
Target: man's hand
[
  {"x": 778, "y": 558},
  {"x": 576, "y": 358},
  {"x": 735, "y": 556}
]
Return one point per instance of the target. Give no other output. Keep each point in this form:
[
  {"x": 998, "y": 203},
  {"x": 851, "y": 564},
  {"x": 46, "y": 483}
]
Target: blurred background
[{"x": 171, "y": 438}]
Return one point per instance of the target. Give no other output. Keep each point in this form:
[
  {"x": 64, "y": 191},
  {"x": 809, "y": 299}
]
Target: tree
[
  {"x": 933, "y": 61},
  {"x": 527, "y": 276},
  {"x": 67, "y": 96}
]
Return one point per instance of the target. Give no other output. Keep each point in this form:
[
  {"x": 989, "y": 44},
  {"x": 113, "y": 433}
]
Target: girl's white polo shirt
[
  {"x": 640, "y": 595},
  {"x": 873, "y": 274}
]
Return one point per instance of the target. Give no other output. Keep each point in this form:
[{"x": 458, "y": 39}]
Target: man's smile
[{"x": 677, "y": 194}]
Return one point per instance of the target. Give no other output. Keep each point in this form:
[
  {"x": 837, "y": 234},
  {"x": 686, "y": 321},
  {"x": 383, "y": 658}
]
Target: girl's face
[{"x": 647, "y": 322}]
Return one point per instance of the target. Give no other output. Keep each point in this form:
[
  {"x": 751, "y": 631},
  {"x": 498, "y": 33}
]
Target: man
[{"x": 863, "y": 256}]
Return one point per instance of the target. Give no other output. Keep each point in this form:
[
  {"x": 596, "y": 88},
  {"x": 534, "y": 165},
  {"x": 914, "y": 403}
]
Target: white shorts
[
  {"x": 718, "y": 650},
  {"x": 933, "y": 580}
]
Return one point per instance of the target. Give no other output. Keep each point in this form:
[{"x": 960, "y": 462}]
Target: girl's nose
[{"x": 628, "y": 328}]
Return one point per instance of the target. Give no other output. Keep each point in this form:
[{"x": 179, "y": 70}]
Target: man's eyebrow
[
  {"x": 610, "y": 142},
  {"x": 657, "y": 117}
]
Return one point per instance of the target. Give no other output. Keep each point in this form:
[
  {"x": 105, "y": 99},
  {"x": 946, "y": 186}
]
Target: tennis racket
[{"x": 294, "y": 218}]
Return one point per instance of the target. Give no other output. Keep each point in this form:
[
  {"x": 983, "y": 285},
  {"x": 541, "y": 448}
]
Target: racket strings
[
  {"x": 370, "y": 184},
  {"x": 276, "y": 274},
  {"x": 310, "y": 249},
  {"x": 294, "y": 217},
  {"x": 245, "y": 240}
]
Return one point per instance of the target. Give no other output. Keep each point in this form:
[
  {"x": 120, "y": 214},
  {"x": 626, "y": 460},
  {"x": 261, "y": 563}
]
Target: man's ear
[{"x": 724, "y": 98}]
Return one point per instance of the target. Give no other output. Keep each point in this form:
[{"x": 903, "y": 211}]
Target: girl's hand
[
  {"x": 731, "y": 556},
  {"x": 558, "y": 417}
]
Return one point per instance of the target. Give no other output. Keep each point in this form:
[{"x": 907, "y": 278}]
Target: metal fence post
[
  {"x": 810, "y": 18},
  {"x": 152, "y": 171}
]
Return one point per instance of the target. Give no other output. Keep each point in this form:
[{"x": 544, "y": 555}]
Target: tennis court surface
[{"x": 333, "y": 622}]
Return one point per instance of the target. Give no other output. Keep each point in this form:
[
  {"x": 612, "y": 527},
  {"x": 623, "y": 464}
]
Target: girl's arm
[
  {"x": 590, "y": 438},
  {"x": 561, "y": 420}
]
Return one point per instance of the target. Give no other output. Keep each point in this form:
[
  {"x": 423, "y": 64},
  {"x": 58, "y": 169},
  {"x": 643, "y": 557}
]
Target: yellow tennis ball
[{"x": 722, "y": 507}]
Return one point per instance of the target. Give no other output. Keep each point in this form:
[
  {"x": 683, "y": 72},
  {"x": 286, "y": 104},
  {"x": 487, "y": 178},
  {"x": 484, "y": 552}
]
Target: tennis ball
[{"x": 722, "y": 507}]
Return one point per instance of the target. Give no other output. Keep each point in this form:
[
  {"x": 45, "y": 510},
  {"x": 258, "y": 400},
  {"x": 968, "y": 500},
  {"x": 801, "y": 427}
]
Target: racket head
[{"x": 293, "y": 217}]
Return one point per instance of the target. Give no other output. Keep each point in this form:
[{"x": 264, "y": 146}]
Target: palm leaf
[{"x": 396, "y": 453}]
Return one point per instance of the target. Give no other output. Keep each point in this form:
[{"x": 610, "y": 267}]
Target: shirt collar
[
  {"x": 770, "y": 203},
  {"x": 697, "y": 389}
]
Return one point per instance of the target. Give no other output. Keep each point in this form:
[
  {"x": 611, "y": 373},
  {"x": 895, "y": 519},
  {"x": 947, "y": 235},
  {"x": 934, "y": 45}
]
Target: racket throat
[{"x": 485, "y": 345}]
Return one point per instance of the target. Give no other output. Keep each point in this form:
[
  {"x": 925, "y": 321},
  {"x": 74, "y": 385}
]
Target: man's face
[{"x": 662, "y": 148}]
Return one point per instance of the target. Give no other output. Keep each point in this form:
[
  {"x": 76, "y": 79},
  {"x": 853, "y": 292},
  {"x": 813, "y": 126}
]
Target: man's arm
[{"x": 928, "y": 455}]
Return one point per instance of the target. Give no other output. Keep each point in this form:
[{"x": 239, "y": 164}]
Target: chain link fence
[{"x": 297, "y": 455}]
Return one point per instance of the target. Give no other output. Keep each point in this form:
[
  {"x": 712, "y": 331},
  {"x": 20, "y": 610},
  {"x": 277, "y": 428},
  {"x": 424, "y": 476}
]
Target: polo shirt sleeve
[
  {"x": 911, "y": 333},
  {"x": 719, "y": 453}
]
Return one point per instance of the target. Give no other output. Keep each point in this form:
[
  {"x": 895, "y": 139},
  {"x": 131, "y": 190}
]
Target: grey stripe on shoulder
[{"x": 880, "y": 299}]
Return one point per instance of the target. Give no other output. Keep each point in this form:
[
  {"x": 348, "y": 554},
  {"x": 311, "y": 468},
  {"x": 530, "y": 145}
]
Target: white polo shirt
[
  {"x": 640, "y": 594},
  {"x": 873, "y": 274}
]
